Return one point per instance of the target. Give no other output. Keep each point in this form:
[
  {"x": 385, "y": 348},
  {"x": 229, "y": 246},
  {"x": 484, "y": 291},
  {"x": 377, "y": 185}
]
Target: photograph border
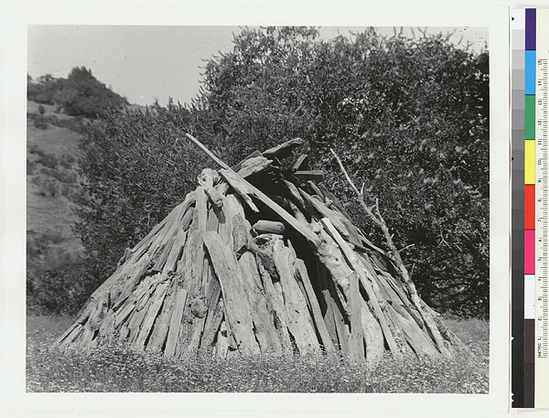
[{"x": 14, "y": 24}]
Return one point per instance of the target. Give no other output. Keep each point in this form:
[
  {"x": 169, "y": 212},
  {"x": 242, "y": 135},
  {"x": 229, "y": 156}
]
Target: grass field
[{"x": 117, "y": 369}]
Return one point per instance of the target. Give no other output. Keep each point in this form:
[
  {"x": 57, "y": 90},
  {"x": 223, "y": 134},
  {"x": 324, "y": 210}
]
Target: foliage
[
  {"x": 80, "y": 94},
  {"x": 118, "y": 369},
  {"x": 409, "y": 117},
  {"x": 137, "y": 169}
]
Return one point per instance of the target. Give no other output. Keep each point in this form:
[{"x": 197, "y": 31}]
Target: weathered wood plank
[
  {"x": 254, "y": 154},
  {"x": 229, "y": 275},
  {"x": 275, "y": 305},
  {"x": 253, "y": 165},
  {"x": 299, "y": 162},
  {"x": 299, "y": 320},
  {"x": 263, "y": 316},
  {"x": 355, "y": 344},
  {"x": 176, "y": 321},
  {"x": 240, "y": 186},
  {"x": 150, "y": 316},
  {"x": 338, "y": 323},
  {"x": 264, "y": 226},
  {"x": 373, "y": 335},
  {"x": 161, "y": 326},
  {"x": 283, "y": 150},
  {"x": 133, "y": 277},
  {"x": 314, "y": 306}
]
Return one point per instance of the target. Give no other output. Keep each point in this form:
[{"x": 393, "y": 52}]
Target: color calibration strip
[
  {"x": 540, "y": 200},
  {"x": 529, "y": 201},
  {"x": 522, "y": 382}
]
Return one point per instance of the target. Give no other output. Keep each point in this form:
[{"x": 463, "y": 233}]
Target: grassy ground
[{"x": 116, "y": 369}]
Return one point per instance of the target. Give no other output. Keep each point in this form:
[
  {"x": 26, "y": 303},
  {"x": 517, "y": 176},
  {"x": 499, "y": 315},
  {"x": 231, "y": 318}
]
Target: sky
[{"x": 148, "y": 63}]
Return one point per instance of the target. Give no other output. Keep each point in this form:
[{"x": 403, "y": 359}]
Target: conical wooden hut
[{"x": 260, "y": 260}]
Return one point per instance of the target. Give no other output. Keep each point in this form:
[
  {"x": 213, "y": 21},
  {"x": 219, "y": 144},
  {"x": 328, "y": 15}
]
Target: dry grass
[{"x": 117, "y": 369}]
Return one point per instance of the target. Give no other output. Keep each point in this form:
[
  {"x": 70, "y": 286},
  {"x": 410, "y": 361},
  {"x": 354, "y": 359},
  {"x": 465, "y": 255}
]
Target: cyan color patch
[{"x": 530, "y": 72}]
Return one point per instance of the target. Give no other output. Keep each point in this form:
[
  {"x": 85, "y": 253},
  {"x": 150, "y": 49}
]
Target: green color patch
[{"x": 530, "y": 117}]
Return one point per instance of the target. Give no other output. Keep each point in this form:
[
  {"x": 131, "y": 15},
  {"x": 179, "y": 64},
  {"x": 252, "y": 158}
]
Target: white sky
[{"x": 144, "y": 63}]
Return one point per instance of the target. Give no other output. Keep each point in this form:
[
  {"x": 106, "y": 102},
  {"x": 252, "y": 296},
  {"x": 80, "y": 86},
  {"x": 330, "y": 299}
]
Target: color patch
[
  {"x": 530, "y": 27},
  {"x": 529, "y": 296},
  {"x": 529, "y": 162},
  {"x": 529, "y": 206},
  {"x": 530, "y": 72},
  {"x": 530, "y": 117},
  {"x": 529, "y": 252}
]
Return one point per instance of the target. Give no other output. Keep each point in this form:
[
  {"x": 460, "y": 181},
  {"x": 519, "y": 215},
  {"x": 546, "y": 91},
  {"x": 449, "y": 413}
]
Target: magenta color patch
[{"x": 529, "y": 252}]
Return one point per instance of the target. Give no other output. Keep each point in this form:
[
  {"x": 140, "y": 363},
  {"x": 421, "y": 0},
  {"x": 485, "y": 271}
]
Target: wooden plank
[
  {"x": 175, "y": 252},
  {"x": 283, "y": 150},
  {"x": 331, "y": 256},
  {"x": 373, "y": 335},
  {"x": 339, "y": 323},
  {"x": 356, "y": 350},
  {"x": 354, "y": 261},
  {"x": 241, "y": 187},
  {"x": 212, "y": 324},
  {"x": 299, "y": 320},
  {"x": 237, "y": 313},
  {"x": 150, "y": 316},
  {"x": 163, "y": 256},
  {"x": 234, "y": 231},
  {"x": 275, "y": 305},
  {"x": 133, "y": 300},
  {"x": 269, "y": 227},
  {"x": 161, "y": 327},
  {"x": 254, "y": 154},
  {"x": 329, "y": 318},
  {"x": 276, "y": 208},
  {"x": 134, "y": 276},
  {"x": 299, "y": 162},
  {"x": 175, "y": 321},
  {"x": 314, "y": 306},
  {"x": 262, "y": 314},
  {"x": 253, "y": 165}
]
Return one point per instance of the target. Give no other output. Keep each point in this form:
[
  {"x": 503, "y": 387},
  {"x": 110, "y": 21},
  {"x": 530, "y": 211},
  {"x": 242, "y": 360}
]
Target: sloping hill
[{"x": 53, "y": 189}]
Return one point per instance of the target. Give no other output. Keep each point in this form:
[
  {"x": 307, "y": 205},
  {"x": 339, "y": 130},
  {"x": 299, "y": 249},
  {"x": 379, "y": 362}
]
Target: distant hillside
[
  {"x": 53, "y": 191},
  {"x": 58, "y": 112}
]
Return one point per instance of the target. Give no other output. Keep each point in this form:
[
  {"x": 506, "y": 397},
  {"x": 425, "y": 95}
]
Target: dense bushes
[{"x": 137, "y": 167}]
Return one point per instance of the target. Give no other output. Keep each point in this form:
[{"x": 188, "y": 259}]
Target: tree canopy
[{"x": 80, "y": 94}]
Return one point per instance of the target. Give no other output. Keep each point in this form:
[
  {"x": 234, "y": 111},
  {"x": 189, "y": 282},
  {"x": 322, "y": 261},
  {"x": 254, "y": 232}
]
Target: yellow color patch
[{"x": 529, "y": 162}]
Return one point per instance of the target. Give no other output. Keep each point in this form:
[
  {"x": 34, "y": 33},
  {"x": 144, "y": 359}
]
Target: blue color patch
[{"x": 530, "y": 72}]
